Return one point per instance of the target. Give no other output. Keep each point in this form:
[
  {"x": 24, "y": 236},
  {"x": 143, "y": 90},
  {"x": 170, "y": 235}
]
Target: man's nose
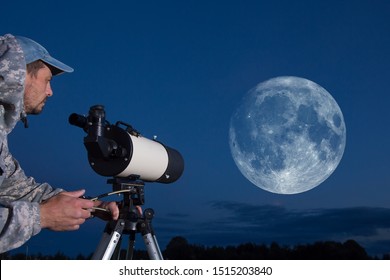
[{"x": 49, "y": 91}]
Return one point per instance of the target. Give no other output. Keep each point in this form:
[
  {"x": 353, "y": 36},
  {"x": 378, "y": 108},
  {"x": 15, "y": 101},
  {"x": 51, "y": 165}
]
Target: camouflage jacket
[{"x": 19, "y": 195}]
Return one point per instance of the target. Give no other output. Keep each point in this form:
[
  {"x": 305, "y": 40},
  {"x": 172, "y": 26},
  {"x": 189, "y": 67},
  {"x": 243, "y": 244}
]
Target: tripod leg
[
  {"x": 152, "y": 247},
  {"x": 116, "y": 255},
  {"x": 149, "y": 237},
  {"x": 157, "y": 248},
  {"x": 109, "y": 241},
  {"x": 131, "y": 245}
]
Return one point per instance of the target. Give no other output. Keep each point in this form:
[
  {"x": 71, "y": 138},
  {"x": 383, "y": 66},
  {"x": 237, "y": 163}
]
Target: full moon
[{"x": 287, "y": 135}]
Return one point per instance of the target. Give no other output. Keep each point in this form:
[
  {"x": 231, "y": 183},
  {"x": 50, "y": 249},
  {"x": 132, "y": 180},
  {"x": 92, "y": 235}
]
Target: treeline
[{"x": 179, "y": 249}]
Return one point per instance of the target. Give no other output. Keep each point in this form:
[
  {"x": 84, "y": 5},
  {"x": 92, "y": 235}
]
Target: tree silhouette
[{"x": 180, "y": 249}]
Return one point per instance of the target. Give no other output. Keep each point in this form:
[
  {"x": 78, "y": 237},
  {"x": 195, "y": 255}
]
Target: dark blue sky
[{"x": 178, "y": 69}]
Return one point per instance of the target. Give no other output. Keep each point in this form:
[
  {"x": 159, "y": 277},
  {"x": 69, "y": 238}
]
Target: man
[{"x": 26, "y": 207}]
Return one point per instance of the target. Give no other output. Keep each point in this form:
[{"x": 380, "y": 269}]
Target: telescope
[{"x": 121, "y": 151}]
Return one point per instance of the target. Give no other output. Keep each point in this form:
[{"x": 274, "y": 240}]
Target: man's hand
[
  {"x": 65, "y": 211},
  {"x": 111, "y": 210}
]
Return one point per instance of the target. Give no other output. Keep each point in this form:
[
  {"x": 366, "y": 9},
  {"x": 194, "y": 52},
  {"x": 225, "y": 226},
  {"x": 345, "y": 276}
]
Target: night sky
[{"x": 177, "y": 70}]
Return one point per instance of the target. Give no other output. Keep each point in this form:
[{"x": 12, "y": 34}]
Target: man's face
[{"x": 37, "y": 90}]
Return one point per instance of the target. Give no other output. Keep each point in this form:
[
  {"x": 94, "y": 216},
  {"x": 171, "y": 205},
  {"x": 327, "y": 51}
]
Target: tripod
[{"x": 130, "y": 222}]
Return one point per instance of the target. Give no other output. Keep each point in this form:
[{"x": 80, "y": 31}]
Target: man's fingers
[{"x": 77, "y": 193}]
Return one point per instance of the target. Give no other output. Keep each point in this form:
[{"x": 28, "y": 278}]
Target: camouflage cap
[{"x": 34, "y": 51}]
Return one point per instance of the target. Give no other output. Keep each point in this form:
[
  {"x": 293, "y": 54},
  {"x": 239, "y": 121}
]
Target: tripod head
[{"x": 131, "y": 189}]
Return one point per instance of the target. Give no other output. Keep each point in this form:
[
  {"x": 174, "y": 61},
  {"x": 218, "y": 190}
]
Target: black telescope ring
[{"x": 113, "y": 165}]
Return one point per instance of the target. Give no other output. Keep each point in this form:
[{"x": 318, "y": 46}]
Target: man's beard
[{"x": 37, "y": 109}]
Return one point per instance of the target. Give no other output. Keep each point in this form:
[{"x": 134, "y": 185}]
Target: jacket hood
[{"x": 12, "y": 77}]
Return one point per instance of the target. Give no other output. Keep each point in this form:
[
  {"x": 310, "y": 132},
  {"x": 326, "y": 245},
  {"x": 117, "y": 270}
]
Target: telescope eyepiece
[{"x": 78, "y": 120}]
